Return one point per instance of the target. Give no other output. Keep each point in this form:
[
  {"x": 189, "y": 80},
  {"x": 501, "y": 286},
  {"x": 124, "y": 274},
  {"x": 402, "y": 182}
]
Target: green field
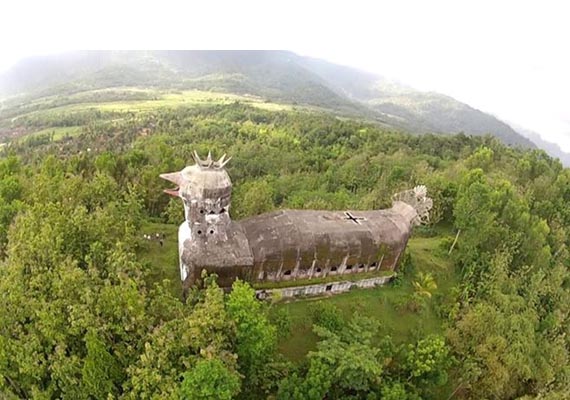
[
  {"x": 162, "y": 259},
  {"x": 168, "y": 99},
  {"x": 127, "y": 100},
  {"x": 59, "y": 132}
]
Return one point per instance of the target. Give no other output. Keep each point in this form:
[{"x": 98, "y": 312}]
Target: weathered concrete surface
[
  {"x": 226, "y": 253},
  {"x": 324, "y": 288},
  {"x": 293, "y": 244},
  {"x": 286, "y": 244}
]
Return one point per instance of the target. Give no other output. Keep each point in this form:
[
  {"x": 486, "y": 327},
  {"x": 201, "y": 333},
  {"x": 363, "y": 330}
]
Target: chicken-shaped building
[{"x": 285, "y": 244}]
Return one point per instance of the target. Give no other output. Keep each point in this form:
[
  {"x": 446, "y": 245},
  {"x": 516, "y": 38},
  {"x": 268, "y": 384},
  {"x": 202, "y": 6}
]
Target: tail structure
[{"x": 417, "y": 199}]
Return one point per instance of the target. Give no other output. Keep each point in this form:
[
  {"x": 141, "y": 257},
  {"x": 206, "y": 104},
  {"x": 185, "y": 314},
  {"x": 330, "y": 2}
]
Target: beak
[
  {"x": 172, "y": 192},
  {"x": 174, "y": 177}
]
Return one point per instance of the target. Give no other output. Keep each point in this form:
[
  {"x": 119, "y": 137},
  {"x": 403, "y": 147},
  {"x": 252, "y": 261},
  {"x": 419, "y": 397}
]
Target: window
[
  {"x": 360, "y": 266},
  {"x": 201, "y": 211},
  {"x": 223, "y": 210},
  {"x": 349, "y": 267},
  {"x": 333, "y": 269},
  {"x": 211, "y": 231},
  {"x": 318, "y": 270},
  {"x": 199, "y": 232},
  {"x": 328, "y": 288},
  {"x": 288, "y": 272}
]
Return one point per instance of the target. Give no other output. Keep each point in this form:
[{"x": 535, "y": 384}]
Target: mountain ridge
[{"x": 278, "y": 75}]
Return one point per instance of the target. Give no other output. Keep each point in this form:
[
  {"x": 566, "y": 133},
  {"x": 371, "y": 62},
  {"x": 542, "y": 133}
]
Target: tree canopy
[{"x": 83, "y": 316}]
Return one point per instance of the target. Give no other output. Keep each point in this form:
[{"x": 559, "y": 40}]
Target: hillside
[
  {"x": 411, "y": 109},
  {"x": 90, "y": 307},
  {"x": 275, "y": 76},
  {"x": 552, "y": 149},
  {"x": 268, "y": 74}
]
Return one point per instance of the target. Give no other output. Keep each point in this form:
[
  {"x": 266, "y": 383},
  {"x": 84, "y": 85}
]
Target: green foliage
[
  {"x": 210, "y": 380},
  {"x": 344, "y": 362},
  {"x": 424, "y": 284},
  {"x": 350, "y": 364},
  {"x": 176, "y": 346},
  {"x": 253, "y": 198},
  {"x": 396, "y": 391},
  {"x": 70, "y": 271},
  {"x": 327, "y": 316},
  {"x": 282, "y": 322},
  {"x": 406, "y": 264},
  {"x": 501, "y": 333},
  {"x": 174, "y": 212},
  {"x": 102, "y": 373},
  {"x": 81, "y": 316},
  {"x": 482, "y": 158},
  {"x": 10, "y": 196},
  {"x": 255, "y": 337},
  {"x": 428, "y": 360}
]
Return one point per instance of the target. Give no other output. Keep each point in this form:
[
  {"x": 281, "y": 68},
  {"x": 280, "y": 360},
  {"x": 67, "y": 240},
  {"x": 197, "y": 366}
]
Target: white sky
[{"x": 510, "y": 58}]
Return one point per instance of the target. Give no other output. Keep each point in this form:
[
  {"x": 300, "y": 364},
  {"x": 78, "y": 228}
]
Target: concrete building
[{"x": 285, "y": 244}]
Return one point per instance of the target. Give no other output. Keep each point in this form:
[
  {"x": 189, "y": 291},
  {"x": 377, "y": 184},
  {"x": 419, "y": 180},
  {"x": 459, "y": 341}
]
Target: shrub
[{"x": 327, "y": 315}]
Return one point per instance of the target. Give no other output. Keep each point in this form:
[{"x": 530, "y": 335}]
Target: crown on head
[{"x": 208, "y": 162}]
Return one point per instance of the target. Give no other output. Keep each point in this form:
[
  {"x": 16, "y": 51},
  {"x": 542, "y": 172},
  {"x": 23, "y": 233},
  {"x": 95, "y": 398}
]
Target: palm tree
[{"x": 425, "y": 284}]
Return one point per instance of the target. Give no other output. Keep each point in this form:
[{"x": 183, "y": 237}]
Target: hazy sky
[{"x": 510, "y": 58}]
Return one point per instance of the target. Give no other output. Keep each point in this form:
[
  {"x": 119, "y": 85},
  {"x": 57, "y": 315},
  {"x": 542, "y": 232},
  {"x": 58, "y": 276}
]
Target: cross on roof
[{"x": 354, "y": 219}]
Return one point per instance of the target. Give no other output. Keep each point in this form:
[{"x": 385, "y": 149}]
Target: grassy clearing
[
  {"x": 58, "y": 132},
  {"x": 157, "y": 99},
  {"x": 184, "y": 99},
  {"x": 379, "y": 303},
  {"x": 162, "y": 259},
  {"x": 383, "y": 303},
  {"x": 177, "y": 99}
]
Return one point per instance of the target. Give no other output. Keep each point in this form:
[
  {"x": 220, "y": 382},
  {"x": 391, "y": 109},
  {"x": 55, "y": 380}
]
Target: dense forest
[{"x": 84, "y": 314}]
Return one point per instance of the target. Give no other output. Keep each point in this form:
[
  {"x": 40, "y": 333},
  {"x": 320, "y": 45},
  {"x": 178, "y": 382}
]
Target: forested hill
[
  {"x": 277, "y": 76},
  {"x": 552, "y": 149},
  {"x": 91, "y": 309}
]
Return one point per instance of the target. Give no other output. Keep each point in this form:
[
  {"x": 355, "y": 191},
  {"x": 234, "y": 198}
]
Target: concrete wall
[{"x": 324, "y": 288}]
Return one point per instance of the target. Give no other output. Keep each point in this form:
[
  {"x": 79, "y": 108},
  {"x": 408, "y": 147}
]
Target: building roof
[{"x": 287, "y": 235}]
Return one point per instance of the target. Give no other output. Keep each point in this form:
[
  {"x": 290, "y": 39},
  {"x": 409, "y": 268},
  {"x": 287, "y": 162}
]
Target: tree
[
  {"x": 174, "y": 212},
  {"x": 428, "y": 360},
  {"x": 345, "y": 363},
  {"x": 70, "y": 274},
  {"x": 174, "y": 348},
  {"x": 253, "y": 198},
  {"x": 256, "y": 338},
  {"x": 210, "y": 379},
  {"x": 102, "y": 374},
  {"x": 498, "y": 340}
]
